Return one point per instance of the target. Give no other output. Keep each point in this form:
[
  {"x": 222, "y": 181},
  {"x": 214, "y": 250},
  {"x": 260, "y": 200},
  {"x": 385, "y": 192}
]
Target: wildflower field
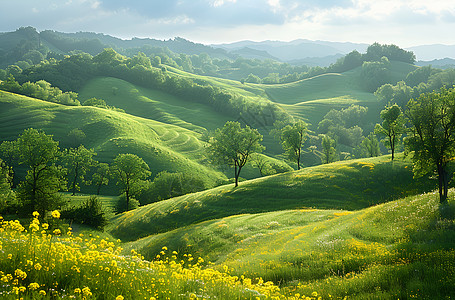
[
  {"x": 42, "y": 262},
  {"x": 402, "y": 249}
]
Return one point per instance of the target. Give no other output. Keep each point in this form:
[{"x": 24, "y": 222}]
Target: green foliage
[
  {"x": 7, "y": 196},
  {"x": 328, "y": 153},
  {"x": 95, "y": 102},
  {"x": 375, "y": 73},
  {"x": 167, "y": 185},
  {"x": 392, "y": 127},
  {"x": 264, "y": 166},
  {"x": 129, "y": 169},
  {"x": 122, "y": 205},
  {"x": 78, "y": 161},
  {"x": 376, "y": 51},
  {"x": 370, "y": 146},
  {"x": 345, "y": 126},
  {"x": 40, "y": 90},
  {"x": 293, "y": 138},
  {"x": 76, "y": 137},
  {"x": 420, "y": 75},
  {"x": 101, "y": 176},
  {"x": 253, "y": 79},
  {"x": 233, "y": 145},
  {"x": 39, "y": 152},
  {"x": 90, "y": 213},
  {"x": 432, "y": 140}
]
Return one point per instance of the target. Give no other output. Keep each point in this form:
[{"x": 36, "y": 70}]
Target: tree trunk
[
  {"x": 74, "y": 181},
  {"x": 392, "y": 146},
  {"x": 237, "y": 169},
  {"x": 442, "y": 183},
  {"x": 298, "y": 160},
  {"x": 127, "y": 193}
]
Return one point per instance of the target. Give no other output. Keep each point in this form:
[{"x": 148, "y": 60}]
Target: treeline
[
  {"x": 422, "y": 80},
  {"x": 191, "y": 57},
  {"x": 72, "y": 72},
  {"x": 375, "y": 65},
  {"x": 40, "y": 90}
]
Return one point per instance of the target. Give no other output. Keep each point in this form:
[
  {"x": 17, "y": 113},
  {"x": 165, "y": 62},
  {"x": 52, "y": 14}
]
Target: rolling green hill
[
  {"x": 163, "y": 146},
  {"x": 154, "y": 104},
  {"x": 348, "y": 185},
  {"x": 400, "y": 249}
]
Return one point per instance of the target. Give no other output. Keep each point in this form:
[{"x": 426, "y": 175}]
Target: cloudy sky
[{"x": 403, "y": 22}]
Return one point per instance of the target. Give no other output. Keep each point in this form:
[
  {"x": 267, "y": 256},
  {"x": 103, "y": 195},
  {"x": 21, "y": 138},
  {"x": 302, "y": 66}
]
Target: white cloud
[{"x": 218, "y": 3}]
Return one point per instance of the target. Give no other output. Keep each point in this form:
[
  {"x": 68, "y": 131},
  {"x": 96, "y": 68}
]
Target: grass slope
[
  {"x": 342, "y": 185},
  {"x": 401, "y": 249},
  {"x": 163, "y": 146},
  {"x": 153, "y": 104}
]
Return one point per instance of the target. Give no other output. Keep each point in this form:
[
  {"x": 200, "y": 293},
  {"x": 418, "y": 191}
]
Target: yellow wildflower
[
  {"x": 38, "y": 266},
  {"x": 33, "y": 286},
  {"x": 77, "y": 290},
  {"x": 42, "y": 292},
  {"x": 45, "y": 226},
  {"x": 55, "y": 214},
  {"x": 119, "y": 297},
  {"x": 57, "y": 232},
  {"x": 86, "y": 291},
  {"x": 35, "y": 214}
]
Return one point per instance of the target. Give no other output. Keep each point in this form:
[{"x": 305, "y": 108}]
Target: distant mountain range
[
  {"x": 298, "y": 52},
  {"x": 311, "y": 52}
]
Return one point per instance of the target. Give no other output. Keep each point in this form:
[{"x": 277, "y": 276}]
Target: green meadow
[{"x": 363, "y": 228}]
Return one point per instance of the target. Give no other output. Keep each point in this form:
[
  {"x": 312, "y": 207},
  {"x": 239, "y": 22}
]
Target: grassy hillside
[
  {"x": 343, "y": 185},
  {"x": 400, "y": 249},
  {"x": 163, "y": 146},
  {"x": 153, "y": 104}
]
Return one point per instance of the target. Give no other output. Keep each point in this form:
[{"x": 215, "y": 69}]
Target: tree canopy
[
  {"x": 129, "y": 169},
  {"x": 233, "y": 145},
  {"x": 432, "y": 139},
  {"x": 392, "y": 127},
  {"x": 292, "y": 139}
]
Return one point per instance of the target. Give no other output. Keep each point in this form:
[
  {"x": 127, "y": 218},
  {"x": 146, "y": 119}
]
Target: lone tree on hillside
[
  {"x": 392, "y": 127},
  {"x": 432, "y": 140},
  {"x": 328, "y": 153},
  {"x": 292, "y": 138},
  {"x": 233, "y": 145},
  {"x": 129, "y": 169},
  {"x": 44, "y": 179}
]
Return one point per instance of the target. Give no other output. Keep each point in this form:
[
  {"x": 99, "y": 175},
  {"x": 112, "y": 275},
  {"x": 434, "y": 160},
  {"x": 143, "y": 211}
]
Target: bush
[
  {"x": 121, "y": 204},
  {"x": 90, "y": 213}
]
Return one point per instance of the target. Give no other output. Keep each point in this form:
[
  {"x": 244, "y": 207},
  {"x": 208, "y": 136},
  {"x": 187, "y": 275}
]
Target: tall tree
[
  {"x": 328, "y": 153},
  {"x": 292, "y": 139},
  {"x": 392, "y": 127},
  {"x": 432, "y": 140},
  {"x": 370, "y": 145},
  {"x": 129, "y": 169},
  {"x": 44, "y": 179},
  {"x": 233, "y": 145},
  {"x": 78, "y": 161},
  {"x": 101, "y": 176}
]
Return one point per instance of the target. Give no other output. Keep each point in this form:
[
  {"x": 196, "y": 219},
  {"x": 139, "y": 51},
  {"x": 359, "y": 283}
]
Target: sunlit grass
[
  {"x": 41, "y": 262},
  {"x": 401, "y": 249},
  {"x": 345, "y": 185}
]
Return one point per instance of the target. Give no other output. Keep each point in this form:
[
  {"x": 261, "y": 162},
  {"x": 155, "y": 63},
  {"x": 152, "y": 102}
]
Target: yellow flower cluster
[{"x": 31, "y": 261}]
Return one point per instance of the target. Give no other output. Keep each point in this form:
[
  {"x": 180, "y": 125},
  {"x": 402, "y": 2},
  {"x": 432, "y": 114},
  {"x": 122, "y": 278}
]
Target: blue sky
[{"x": 403, "y": 22}]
